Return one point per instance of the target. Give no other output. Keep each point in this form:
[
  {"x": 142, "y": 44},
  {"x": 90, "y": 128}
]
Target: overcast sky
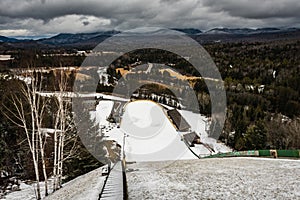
[{"x": 48, "y": 17}]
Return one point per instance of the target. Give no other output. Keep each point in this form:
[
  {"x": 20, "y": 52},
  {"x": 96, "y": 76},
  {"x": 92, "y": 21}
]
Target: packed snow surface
[
  {"x": 87, "y": 186},
  {"x": 147, "y": 134},
  {"x": 218, "y": 178},
  {"x": 150, "y": 135}
]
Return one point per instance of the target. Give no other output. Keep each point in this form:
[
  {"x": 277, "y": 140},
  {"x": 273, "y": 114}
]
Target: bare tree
[
  {"x": 294, "y": 130},
  {"x": 284, "y": 134},
  {"x": 63, "y": 124},
  {"x": 26, "y": 110}
]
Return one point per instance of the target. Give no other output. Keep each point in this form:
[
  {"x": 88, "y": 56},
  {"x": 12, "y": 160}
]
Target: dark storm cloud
[
  {"x": 256, "y": 9},
  {"x": 50, "y": 16},
  {"x": 5, "y": 20},
  {"x": 56, "y": 8},
  {"x": 85, "y": 23}
]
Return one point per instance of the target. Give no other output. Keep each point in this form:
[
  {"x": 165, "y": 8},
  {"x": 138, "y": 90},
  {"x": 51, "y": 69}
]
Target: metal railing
[{"x": 115, "y": 185}]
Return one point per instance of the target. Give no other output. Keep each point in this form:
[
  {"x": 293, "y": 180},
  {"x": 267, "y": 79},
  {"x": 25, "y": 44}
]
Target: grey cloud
[
  {"x": 85, "y": 23},
  {"x": 5, "y": 20},
  {"x": 39, "y": 15},
  {"x": 256, "y": 9},
  {"x": 56, "y": 8}
]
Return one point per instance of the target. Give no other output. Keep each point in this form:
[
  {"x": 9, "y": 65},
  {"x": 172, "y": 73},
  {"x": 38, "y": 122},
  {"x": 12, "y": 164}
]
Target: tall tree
[
  {"x": 26, "y": 110},
  {"x": 63, "y": 125}
]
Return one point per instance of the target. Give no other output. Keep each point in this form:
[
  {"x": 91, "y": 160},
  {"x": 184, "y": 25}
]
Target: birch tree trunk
[
  {"x": 39, "y": 106},
  {"x": 55, "y": 162},
  {"x": 28, "y": 111},
  {"x": 61, "y": 127},
  {"x": 28, "y": 114}
]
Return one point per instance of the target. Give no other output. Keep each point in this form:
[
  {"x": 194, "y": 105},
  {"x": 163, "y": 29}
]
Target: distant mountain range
[
  {"x": 90, "y": 39},
  {"x": 68, "y": 38},
  {"x": 189, "y": 31},
  {"x": 7, "y": 39},
  {"x": 242, "y": 31}
]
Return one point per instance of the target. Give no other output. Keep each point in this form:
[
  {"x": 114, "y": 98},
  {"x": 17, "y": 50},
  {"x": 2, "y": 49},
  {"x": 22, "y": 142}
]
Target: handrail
[{"x": 115, "y": 185}]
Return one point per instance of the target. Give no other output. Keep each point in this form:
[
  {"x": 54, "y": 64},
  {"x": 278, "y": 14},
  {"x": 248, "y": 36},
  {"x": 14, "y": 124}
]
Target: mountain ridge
[
  {"x": 188, "y": 31},
  {"x": 8, "y": 39},
  {"x": 89, "y": 40}
]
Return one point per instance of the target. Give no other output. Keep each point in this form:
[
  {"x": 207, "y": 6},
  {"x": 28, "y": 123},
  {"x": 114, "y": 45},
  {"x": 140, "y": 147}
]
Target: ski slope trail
[{"x": 147, "y": 134}]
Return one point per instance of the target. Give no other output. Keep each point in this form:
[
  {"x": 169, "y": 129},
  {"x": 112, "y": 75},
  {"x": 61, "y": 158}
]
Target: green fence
[
  {"x": 264, "y": 153},
  {"x": 280, "y": 153},
  {"x": 259, "y": 153},
  {"x": 288, "y": 153}
]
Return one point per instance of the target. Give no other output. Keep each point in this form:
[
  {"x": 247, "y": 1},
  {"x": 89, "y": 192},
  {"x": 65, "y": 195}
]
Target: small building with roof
[
  {"x": 179, "y": 122},
  {"x": 191, "y": 139}
]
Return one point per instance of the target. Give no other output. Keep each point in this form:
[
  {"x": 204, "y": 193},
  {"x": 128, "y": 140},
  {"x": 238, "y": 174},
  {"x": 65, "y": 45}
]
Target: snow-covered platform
[{"x": 216, "y": 178}]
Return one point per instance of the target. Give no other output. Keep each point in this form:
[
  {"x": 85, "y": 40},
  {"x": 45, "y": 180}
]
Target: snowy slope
[
  {"x": 87, "y": 186},
  {"x": 72, "y": 94},
  {"x": 103, "y": 110},
  {"x": 103, "y": 76},
  {"x": 149, "y": 134},
  {"x": 230, "y": 178},
  {"x": 26, "y": 192},
  {"x": 197, "y": 123}
]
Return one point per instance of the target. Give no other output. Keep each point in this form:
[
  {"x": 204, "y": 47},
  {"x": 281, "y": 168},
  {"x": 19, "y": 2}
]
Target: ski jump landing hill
[{"x": 147, "y": 131}]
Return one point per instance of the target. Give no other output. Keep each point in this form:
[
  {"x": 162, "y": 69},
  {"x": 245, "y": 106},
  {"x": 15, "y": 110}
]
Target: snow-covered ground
[
  {"x": 103, "y": 110},
  {"x": 197, "y": 123},
  {"x": 26, "y": 192},
  {"x": 145, "y": 113},
  {"x": 72, "y": 94},
  {"x": 150, "y": 66},
  {"x": 103, "y": 76},
  {"x": 87, "y": 186},
  {"x": 219, "y": 178},
  {"x": 150, "y": 135}
]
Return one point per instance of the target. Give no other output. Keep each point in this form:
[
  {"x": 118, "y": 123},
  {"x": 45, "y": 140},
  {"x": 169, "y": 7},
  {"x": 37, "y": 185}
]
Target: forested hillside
[{"x": 262, "y": 82}]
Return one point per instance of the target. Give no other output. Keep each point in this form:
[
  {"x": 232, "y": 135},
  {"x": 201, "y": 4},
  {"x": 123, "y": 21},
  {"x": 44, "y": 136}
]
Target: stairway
[{"x": 114, "y": 184}]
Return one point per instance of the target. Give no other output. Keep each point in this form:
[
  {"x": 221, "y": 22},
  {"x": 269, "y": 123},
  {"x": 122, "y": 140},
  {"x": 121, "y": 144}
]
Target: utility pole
[{"x": 123, "y": 148}]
